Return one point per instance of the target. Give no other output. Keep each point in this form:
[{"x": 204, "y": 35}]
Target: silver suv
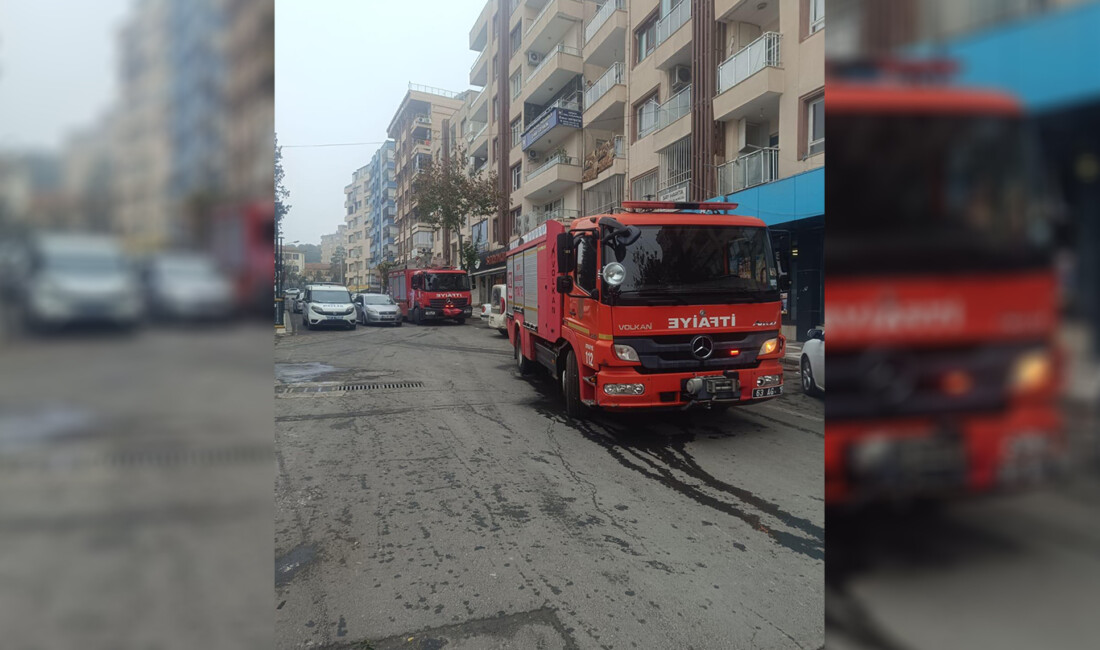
[{"x": 327, "y": 304}]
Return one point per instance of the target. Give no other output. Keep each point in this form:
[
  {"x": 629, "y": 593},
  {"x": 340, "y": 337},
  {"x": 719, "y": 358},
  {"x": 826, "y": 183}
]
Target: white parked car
[
  {"x": 377, "y": 308},
  {"x": 498, "y": 309},
  {"x": 812, "y": 364},
  {"x": 327, "y": 304}
]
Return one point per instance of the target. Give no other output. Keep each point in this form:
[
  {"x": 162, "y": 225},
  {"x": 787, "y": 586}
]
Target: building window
[
  {"x": 645, "y": 39},
  {"x": 494, "y": 67},
  {"x": 515, "y": 83},
  {"x": 815, "y": 124},
  {"x": 496, "y": 108},
  {"x": 496, "y": 148},
  {"x": 645, "y": 116},
  {"x": 517, "y": 130},
  {"x": 644, "y": 187},
  {"x": 817, "y": 16},
  {"x": 516, "y": 38},
  {"x": 513, "y": 218},
  {"x": 516, "y": 176}
]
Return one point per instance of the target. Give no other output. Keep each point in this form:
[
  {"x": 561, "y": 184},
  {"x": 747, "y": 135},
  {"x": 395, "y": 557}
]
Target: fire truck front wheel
[
  {"x": 571, "y": 388},
  {"x": 523, "y": 364}
]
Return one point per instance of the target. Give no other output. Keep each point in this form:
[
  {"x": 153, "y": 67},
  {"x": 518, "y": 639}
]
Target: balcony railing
[
  {"x": 478, "y": 60},
  {"x": 474, "y": 130},
  {"x": 559, "y": 159},
  {"x": 560, "y": 48},
  {"x": 546, "y": 7},
  {"x": 675, "y": 108},
  {"x": 675, "y": 19},
  {"x": 605, "y": 11},
  {"x": 749, "y": 170},
  {"x": 614, "y": 75},
  {"x": 530, "y": 220},
  {"x": 753, "y": 58}
]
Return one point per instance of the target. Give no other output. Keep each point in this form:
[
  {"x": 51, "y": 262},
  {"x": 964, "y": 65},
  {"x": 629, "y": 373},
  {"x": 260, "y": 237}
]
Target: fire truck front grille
[
  {"x": 894, "y": 382},
  {"x": 440, "y": 303},
  {"x": 673, "y": 353}
]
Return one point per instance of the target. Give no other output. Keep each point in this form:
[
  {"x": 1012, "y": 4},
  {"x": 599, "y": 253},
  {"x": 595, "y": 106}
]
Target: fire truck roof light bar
[{"x": 705, "y": 206}]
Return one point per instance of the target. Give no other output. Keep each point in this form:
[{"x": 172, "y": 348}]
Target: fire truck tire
[
  {"x": 416, "y": 316},
  {"x": 571, "y": 388},
  {"x": 523, "y": 364}
]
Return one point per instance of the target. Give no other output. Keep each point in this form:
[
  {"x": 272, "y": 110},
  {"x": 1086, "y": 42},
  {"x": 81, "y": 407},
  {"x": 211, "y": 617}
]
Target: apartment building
[
  {"x": 417, "y": 130},
  {"x": 356, "y": 217},
  {"x": 294, "y": 261},
  {"x": 332, "y": 241}
]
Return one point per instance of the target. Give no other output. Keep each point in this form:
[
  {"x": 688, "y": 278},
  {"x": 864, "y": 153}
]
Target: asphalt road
[
  {"x": 135, "y": 489},
  {"x": 463, "y": 509}
]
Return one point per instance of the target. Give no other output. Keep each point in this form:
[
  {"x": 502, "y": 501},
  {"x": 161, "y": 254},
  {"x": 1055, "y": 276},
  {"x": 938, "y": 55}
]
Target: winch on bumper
[{"x": 626, "y": 388}]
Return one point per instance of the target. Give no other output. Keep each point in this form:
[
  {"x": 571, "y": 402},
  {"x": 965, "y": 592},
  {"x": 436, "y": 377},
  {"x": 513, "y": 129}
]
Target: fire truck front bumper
[{"x": 625, "y": 388}]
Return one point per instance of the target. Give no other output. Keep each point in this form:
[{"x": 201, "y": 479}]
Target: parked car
[
  {"x": 498, "y": 309},
  {"x": 376, "y": 308},
  {"x": 187, "y": 286},
  {"x": 327, "y": 304},
  {"x": 813, "y": 362},
  {"x": 68, "y": 279}
]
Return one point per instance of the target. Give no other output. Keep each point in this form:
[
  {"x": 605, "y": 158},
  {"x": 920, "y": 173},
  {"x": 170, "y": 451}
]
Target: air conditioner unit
[
  {"x": 534, "y": 58},
  {"x": 681, "y": 77},
  {"x": 532, "y": 155}
]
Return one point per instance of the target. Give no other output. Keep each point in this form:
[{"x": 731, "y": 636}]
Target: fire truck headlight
[
  {"x": 1032, "y": 370},
  {"x": 769, "y": 347},
  {"x": 624, "y": 389},
  {"x": 614, "y": 274},
  {"x": 626, "y": 353}
]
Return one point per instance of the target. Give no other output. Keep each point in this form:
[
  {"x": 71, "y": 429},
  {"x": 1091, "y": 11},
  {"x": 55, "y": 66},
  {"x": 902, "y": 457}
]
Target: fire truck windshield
[
  {"x": 695, "y": 265},
  {"x": 931, "y": 193},
  {"x": 446, "y": 282}
]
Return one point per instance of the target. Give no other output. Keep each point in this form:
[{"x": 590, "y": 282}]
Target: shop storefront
[{"x": 490, "y": 270}]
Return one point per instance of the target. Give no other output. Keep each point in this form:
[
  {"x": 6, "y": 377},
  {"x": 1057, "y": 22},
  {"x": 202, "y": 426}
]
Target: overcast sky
[
  {"x": 57, "y": 68},
  {"x": 341, "y": 69}
]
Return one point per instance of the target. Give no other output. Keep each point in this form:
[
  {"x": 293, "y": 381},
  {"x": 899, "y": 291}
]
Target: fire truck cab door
[{"x": 582, "y": 303}]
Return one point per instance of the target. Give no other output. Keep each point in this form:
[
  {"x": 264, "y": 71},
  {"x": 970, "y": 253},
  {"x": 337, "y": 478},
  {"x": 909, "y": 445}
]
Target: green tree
[
  {"x": 447, "y": 196},
  {"x": 468, "y": 256},
  {"x": 281, "y": 193},
  {"x": 336, "y": 264},
  {"x": 383, "y": 269}
]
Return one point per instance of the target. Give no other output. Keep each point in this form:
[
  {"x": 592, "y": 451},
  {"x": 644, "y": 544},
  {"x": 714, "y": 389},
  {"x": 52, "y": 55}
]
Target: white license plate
[{"x": 767, "y": 392}]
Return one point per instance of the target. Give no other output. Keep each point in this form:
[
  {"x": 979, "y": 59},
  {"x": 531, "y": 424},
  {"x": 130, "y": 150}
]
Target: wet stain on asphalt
[
  {"x": 296, "y": 559},
  {"x": 632, "y": 441}
]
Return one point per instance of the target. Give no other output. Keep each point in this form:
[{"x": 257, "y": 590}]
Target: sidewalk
[{"x": 793, "y": 356}]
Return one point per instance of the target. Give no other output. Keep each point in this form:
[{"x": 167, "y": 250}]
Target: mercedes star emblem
[{"x": 702, "y": 346}]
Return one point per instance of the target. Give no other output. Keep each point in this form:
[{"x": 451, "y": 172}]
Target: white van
[
  {"x": 327, "y": 304},
  {"x": 498, "y": 310}
]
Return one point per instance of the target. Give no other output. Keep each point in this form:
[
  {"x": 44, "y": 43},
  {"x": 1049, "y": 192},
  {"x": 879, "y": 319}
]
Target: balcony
[
  {"x": 749, "y": 170},
  {"x": 479, "y": 71},
  {"x": 754, "y": 57},
  {"x": 673, "y": 42},
  {"x": 474, "y": 130},
  {"x": 558, "y": 118},
  {"x": 560, "y": 64},
  {"x": 605, "y": 35},
  {"x": 671, "y": 122},
  {"x": 607, "y": 160},
  {"x": 605, "y": 101},
  {"x": 528, "y": 221},
  {"x": 479, "y": 107},
  {"x": 551, "y": 25},
  {"x": 479, "y": 33},
  {"x": 551, "y": 178}
]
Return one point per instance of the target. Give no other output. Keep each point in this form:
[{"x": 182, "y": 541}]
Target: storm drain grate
[{"x": 350, "y": 387}]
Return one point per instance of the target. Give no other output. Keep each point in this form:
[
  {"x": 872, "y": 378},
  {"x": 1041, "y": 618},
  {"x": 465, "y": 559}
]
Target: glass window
[
  {"x": 516, "y": 177},
  {"x": 586, "y": 265},
  {"x": 646, "y": 117},
  {"x": 645, "y": 39},
  {"x": 644, "y": 187},
  {"x": 516, "y": 36},
  {"x": 817, "y": 15},
  {"x": 815, "y": 127}
]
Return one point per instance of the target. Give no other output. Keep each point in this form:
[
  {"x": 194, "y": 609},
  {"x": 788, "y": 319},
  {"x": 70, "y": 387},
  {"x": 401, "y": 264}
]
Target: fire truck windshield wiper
[{"x": 659, "y": 295}]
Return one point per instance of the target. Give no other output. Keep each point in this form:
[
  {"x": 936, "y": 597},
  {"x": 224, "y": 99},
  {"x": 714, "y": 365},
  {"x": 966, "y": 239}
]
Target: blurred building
[
  {"x": 250, "y": 98},
  {"x": 294, "y": 261},
  {"x": 356, "y": 246},
  {"x": 88, "y": 175},
  {"x": 318, "y": 272},
  {"x": 32, "y": 192},
  {"x": 381, "y": 209},
  {"x": 332, "y": 241},
  {"x": 417, "y": 129}
]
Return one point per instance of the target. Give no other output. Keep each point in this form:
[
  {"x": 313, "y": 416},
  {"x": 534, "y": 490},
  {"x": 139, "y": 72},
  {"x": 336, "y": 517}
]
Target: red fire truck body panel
[
  {"x": 412, "y": 290},
  {"x": 547, "y": 324},
  {"x": 940, "y": 382}
]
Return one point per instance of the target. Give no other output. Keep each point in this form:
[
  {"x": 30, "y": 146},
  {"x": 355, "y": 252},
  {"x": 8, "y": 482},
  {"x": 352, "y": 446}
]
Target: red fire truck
[
  {"x": 666, "y": 304},
  {"x": 940, "y": 289},
  {"x": 431, "y": 294},
  {"x": 241, "y": 239}
]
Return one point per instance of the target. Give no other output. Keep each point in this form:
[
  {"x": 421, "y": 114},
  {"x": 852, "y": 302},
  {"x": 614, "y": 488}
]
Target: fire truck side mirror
[
  {"x": 565, "y": 285},
  {"x": 565, "y": 252}
]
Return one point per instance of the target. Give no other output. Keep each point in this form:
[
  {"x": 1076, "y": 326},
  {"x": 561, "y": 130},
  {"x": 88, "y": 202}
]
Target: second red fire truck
[
  {"x": 666, "y": 304},
  {"x": 431, "y": 294}
]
